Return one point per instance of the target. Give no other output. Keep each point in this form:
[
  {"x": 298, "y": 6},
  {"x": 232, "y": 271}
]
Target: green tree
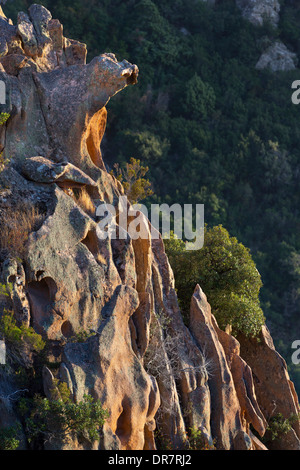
[
  {"x": 278, "y": 425},
  {"x": 132, "y": 178},
  {"x": 199, "y": 99},
  {"x": 20, "y": 339},
  {"x": 60, "y": 417},
  {"x": 225, "y": 270},
  {"x": 9, "y": 438},
  {"x": 144, "y": 145}
]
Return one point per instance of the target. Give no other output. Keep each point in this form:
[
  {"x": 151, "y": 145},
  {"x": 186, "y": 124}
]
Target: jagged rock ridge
[
  {"x": 276, "y": 57},
  {"x": 147, "y": 368}
]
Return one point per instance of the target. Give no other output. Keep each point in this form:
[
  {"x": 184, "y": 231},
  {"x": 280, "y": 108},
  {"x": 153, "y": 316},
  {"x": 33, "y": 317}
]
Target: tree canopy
[{"x": 226, "y": 272}]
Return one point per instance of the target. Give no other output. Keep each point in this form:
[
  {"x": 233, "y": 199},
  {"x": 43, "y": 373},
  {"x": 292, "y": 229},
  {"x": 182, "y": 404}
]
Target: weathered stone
[
  {"x": 75, "y": 52},
  {"x": 257, "y": 444},
  {"x": 55, "y": 29},
  {"x": 8, "y": 35},
  {"x": 12, "y": 63},
  {"x": 277, "y": 58},
  {"x": 40, "y": 18},
  {"x": 65, "y": 377},
  {"x": 182, "y": 357},
  {"x": 226, "y": 420},
  {"x": 42, "y": 170},
  {"x": 259, "y": 11},
  {"x": 272, "y": 385},
  {"x": 62, "y": 304},
  {"x": 50, "y": 388},
  {"x": 27, "y": 33},
  {"x": 106, "y": 367},
  {"x": 243, "y": 382}
]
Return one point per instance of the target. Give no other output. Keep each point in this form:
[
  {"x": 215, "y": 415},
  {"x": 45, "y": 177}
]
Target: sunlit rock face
[{"x": 56, "y": 100}]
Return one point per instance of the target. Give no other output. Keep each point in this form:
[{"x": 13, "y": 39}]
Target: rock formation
[
  {"x": 276, "y": 58},
  {"x": 259, "y": 11},
  {"x": 157, "y": 377}
]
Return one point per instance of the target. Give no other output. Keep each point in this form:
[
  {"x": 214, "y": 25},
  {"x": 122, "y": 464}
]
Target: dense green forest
[{"x": 212, "y": 129}]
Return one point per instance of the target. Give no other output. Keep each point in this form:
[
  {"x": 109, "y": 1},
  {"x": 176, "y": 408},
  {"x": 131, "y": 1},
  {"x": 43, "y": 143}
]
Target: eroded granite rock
[{"x": 277, "y": 58}]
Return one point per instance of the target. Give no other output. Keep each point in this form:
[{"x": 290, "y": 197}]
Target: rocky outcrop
[
  {"x": 259, "y": 11},
  {"x": 156, "y": 376},
  {"x": 276, "y": 58},
  {"x": 274, "y": 390},
  {"x": 46, "y": 75},
  {"x": 106, "y": 367},
  {"x": 230, "y": 380}
]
